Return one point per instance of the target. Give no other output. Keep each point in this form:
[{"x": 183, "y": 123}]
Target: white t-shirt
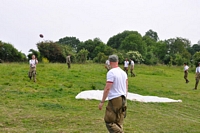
[
  {"x": 118, "y": 77},
  {"x": 107, "y": 62},
  {"x": 198, "y": 69},
  {"x": 126, "y": 63},
  {"x": 33, "y": 62},
  {"x": 132, "y": 63},
  {"x": 186, "y": 67}
]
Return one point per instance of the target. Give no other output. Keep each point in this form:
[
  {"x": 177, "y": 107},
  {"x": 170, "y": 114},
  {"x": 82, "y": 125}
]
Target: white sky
[{"x": 21, "y": 21}]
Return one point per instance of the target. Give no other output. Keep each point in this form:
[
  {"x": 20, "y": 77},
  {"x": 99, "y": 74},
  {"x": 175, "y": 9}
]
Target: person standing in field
[
  {"x": 68, "y": 61},
  {"x": 126, "y": 63},
  {"x": 186, "y": 67},
  {"x": 116, "y": 89},
  {"x": 197, "y": 76},
  {"x": 132, "y": 67},
  {"x": 107, "y": 65},
  {"x": 32, "y": 71}
]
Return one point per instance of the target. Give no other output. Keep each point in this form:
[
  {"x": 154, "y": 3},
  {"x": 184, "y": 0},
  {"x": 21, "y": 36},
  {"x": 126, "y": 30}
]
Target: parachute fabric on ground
[{"x": 97, "y": 95}]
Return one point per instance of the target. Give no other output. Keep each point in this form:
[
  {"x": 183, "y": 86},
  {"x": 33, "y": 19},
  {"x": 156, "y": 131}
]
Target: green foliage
[
  {"x": 179, "y": 60},
  {"x": 136, "y": 56},
  {"x": 101, "y": 58},
  {"x": 196, "y": 58},
  {"x": 54, "y": 52},
  {"x": 152, "y": 34},
  {"x": 150, "y": 59},
  {"x": 82, "y": 56},
  {"x": 10, "y": 54},
  {"x": 178, "y": 46},
  {"x": 90, "y": 46},
  {"x": 70, "y": 41},
  {"x": 134, "y": 42},
  {"x": 45, "y": 60},
  {"x": 116, "y": 41}
]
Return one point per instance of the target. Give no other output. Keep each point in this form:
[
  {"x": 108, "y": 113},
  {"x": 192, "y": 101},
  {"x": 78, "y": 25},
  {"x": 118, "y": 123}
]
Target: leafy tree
[
  {"x": 178, "y": 46},
  {"x": 196, "y": 58},
  {"x": 54, "y": 52},
  {"x": 134, "y": 42},
  {"x": 196, "y": 47},
  {"x": 179, "y": 60},
  {"x": 10, "y": 54},
  {"x": 160, "y": 50},
  {"x": 71, "y": 41},
  {"x": 150, "y": 59},
  {"x": 116, "y": 41},
  {"x": 90, "y": 46},
  {"x": 152, "y": 34},
  {"x": 100, "y": 58},
  {"x": 82, "y": 55}
]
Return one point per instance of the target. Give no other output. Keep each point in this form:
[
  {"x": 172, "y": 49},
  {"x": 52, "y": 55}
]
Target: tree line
[{"x": 147, "y": 49}]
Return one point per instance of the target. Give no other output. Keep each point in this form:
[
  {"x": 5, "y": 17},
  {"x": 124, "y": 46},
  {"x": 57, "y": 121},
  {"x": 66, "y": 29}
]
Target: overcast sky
[{"x": 21, "y": 21}]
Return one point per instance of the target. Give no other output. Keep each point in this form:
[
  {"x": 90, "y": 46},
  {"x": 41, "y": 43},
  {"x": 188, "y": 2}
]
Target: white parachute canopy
[{"x": 97, "y": 95}]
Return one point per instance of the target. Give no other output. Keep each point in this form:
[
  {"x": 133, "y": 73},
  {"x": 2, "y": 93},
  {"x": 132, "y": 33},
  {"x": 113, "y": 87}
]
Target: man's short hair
[{"x": 113, "y": 58}]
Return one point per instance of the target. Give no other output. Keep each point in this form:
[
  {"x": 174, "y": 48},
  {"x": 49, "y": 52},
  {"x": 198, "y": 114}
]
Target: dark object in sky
[{"x": 41, "y": 36}]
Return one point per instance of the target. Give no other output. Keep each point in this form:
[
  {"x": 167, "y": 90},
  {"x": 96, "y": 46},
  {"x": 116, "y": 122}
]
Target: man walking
[
  {"x": 126, "y": 63},
  {"x": 132, "y": 67},
  {"x": 32, "y": 70},
  {"x": 116, "y": 90},
  {"x": 197, "y": 76},
  {"x": 186, "y": 72},
  {"x": 68, "y": 61}
]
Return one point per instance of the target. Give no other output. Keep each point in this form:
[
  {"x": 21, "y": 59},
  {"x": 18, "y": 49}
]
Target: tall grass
[{"x": 49, "y": 105}]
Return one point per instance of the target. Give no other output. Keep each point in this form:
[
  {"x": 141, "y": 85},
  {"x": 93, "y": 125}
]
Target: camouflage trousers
[
  {"x": 115, "y": 114},
  {"x": 69, "y": 65},
  {"x": 126, "y": 70},
  {"x": 185, "y": 76},
  {"x": 132, "y": 73},
  {"x": 197, "y": 80},
  {"x": 32, "y": 73}
]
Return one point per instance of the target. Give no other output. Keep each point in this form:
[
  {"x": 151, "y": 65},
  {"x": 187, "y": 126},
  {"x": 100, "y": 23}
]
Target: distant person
[
  {"x": 197, "y": 76},
  {"x": 126, "y": 63},
  {"x": 32, "y": 71},
  {"x": 68, "y": 61},
  {"x": 132, "y": 67},
  {"x": 116, "y": 90},
  {"x": 107, "y": 65},
  {"x": 186, "y": 67}
]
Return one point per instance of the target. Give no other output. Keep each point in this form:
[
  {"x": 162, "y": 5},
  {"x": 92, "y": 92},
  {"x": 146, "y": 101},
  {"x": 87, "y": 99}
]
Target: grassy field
[{"x": 49, "y": 105}]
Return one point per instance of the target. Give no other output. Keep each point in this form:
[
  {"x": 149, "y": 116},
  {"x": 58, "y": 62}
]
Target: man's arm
[
  {"x": 36, "y": 61},
  {"x": 105, "y": 94}
]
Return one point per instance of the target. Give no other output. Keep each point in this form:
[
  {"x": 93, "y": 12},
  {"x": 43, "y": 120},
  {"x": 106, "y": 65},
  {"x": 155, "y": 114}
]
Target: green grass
[{"x": 49, "y": 105}]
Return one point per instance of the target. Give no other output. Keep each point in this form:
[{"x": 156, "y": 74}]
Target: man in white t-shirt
[
  {"x": 126, "y": 63},
  {"x": 186, "y": 72},
  {"x": 197, "y": 76},
  {"x": 132, "y": 67},
  {"x": 32, "y": 70},
  {"x": 116, "y": 90}
]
